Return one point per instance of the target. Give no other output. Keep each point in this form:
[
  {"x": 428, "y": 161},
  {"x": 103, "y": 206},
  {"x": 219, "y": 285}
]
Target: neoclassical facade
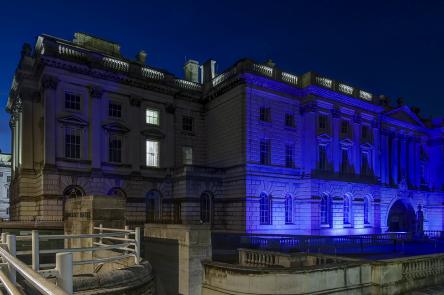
[{"x": 253, "y": 149}]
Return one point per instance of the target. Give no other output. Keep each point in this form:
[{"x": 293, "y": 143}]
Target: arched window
[
  {"x": 265, "y": 209},
  {"x": 325, "y": 210},
  {"x": 153, "y": 202},
  {"x": 346, "y": 210},
  {"x": 366, "y": 211},
  {"x": 73, "y": 191},
  {"x": 117, "y": 191},
  {"x": 205, "y": 208},
  {"x": 288, "y": 209}
]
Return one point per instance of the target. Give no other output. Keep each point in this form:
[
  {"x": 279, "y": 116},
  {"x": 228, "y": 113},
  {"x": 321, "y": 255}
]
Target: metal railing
[{"x": 126, "y": 241}]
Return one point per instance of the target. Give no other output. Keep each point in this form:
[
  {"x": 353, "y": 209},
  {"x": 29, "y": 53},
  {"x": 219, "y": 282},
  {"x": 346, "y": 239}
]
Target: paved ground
[{"x": 435, "y": 290}]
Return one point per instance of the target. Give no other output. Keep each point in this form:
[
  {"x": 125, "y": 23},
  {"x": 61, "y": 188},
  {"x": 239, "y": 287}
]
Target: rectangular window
[
  {"x": 289, "y": 156},
  {"x": 344, "y": 163},
  {"x": 152, "y": 117},
  {"x": 187, "y": 123},
  {"x": 323, "y": 122},
  {"x": 72, "y": 143},
  {"x": 8, "y": 178},
  {"x": 1, "y": 174},
  {"x": 364, "y": 132},
  {"x": 187, "y": 154},
  {"x": 322, "y": 157},
  {"x": 265, "y": 152},
  {"x": 344, "y": 127},
  {"x": 265, "y": 114},
  {"x": 72, "y": 101},
  {"x": 115, "y": 149},
  {"x": 115, "y": 110},
  {"x": 289, "y": 120},
  {"x": 365, "y": 167},
  {"x": 152, "y": 153}
]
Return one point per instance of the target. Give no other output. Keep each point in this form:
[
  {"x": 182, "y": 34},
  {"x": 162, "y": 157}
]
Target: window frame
[
  {"x": 113, "y": 151},
  {"x": 110, "y": 111},
  {"x": 265, "y": 114},
  {"x": 156, "y": 120},
  {"x": 290, "y": 120},
  {"x": 184, "y": 155},
  {"x": 74, "y": 151},
  {"x": 68, "y": 105},
  {"x": 265, "y": 152},
  {"x": 289, "y": 156},
  {"x": 265, "y": 209},
  {"x": 288, "y": 209},
  {"x": 189, "y": 123}
]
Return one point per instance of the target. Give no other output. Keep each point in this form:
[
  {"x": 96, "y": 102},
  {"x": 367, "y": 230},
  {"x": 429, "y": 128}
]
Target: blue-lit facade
[{"x": 253, "y": 149}]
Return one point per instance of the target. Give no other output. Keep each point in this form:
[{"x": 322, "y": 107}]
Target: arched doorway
[
  {"x": 401, "y": 217},
  {"x": 72, "y": 191}
]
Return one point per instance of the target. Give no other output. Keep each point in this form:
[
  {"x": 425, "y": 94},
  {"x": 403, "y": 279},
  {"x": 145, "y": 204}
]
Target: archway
[{"x": 401, "y": 217}]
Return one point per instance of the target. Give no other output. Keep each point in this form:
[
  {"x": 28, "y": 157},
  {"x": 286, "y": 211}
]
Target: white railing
[
  {"x": 346, "y": 89},
  {"x": 12, "y": 265},
  {"x": 124, "y": 240},
  {"x": 115, "y": 64},
  {"x": 324, "y": 82},
  {"x": 421, "y": 268},
  {"x": 365, "y": 95},
  {"x": 289, "y": 78},
  {"x": 264, "y": 70},
  {"x": 188, "y": 84},
  {"x": 68, "y": 51},
  {"x": 152, "y": 74}
]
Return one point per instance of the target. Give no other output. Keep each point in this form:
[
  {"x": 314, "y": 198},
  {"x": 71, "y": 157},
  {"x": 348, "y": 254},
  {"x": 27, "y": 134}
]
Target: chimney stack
[
  {"x": 208, "y": 71},
  {"x": 191, "y": 71},
  {"x": 141, "y": 57}
]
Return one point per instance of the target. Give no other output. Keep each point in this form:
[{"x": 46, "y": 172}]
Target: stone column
[
  {"x": 49, "y": 85},
  {"x": 336, "y": 151},
  {"x": 411, "y": 162},
  {"x": 136, "y": 157},
  {"x": 357, "y": 143},
  {"x": 385, "y": 178},
  {"x": 310, "y": 129},
  {"x": 403, "y": 157},
  {"x": 376, "y": 150},
  {"x": 95, "y": 130}
]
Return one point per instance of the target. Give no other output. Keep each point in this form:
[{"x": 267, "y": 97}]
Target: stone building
[
  {"x": 5, "y": 180},
  {"x": 252, "y": 149}
]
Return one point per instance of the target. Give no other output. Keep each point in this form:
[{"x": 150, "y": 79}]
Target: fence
[{"x": 124, "y": 240}]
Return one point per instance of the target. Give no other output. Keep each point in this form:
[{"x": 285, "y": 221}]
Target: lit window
[
  {"x": 72, "y": 143},
  {"x": 289, "y": 156},
  {"x": 152, "y": 153},
  {"x": 325, "y": 210},
  {"x": 265, "y": 114},
  {"x": 265, "y": 209},
  {"x": 265, "y": 152},
  {"x": 187, "y": 154},
  {"x": 152, "y": 117},
  {"x": 288, "y": 209},
  {"x": 323, "y": 124},
  {"x": 115, "y": 149},
  {"x": 114, "y": 110},
  {"x": 72, "y": 101},
  {"x": 289, "y": 120},
  {"x": 322, "y": 157},
  {"x": 346, "y": 212},
  {"x": 187, "y": 123}
]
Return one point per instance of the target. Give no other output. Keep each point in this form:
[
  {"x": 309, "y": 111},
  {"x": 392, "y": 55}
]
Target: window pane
[
  {"x": 152, "y": 117},
  {"x": 152, "y": 153},
  {"x": 72, "y": 101},
  {"x": 187, "y": 123},
  {"x": 115, "y": 149},
  {"x": 72, "y": 143},
  {"x": 187, "y": 154},
  {"x": 115, "y": 110},
  {"x": 265, "y": 152}
]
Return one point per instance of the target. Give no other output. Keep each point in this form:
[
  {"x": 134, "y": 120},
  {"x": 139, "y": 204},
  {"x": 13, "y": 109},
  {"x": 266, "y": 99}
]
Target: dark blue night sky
[{"x": 391, "y": 47}]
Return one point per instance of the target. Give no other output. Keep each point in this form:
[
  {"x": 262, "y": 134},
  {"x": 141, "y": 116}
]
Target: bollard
[
  {"x": 64, "y": 271},
  {"x": 137, "y": 244},
  {"x": 10, "y": 241},
  {"x": 35, "y": 247}
]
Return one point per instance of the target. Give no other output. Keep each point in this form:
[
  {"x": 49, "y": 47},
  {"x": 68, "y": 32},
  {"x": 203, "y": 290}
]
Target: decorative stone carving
[{"x": 49, "y": 82}]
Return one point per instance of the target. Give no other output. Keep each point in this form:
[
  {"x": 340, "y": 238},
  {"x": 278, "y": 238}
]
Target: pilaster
[{"x": 49, "y": 86}]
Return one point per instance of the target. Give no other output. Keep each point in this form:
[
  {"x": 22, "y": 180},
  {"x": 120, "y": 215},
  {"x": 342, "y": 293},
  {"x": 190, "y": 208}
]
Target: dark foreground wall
[{"x": 163, "y": 254}]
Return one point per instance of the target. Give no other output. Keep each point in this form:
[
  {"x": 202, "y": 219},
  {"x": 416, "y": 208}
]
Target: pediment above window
[
  {"x": 324, "y": 138},
  {"x": 366, "y": 146},
  {"x": 72, "y": 120},
  {"x": 153, "y": 133},
  {"x": 116, "y": 127},
  {"x": 347, "y": 143},
  {"x": 404, "y": 114}
]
